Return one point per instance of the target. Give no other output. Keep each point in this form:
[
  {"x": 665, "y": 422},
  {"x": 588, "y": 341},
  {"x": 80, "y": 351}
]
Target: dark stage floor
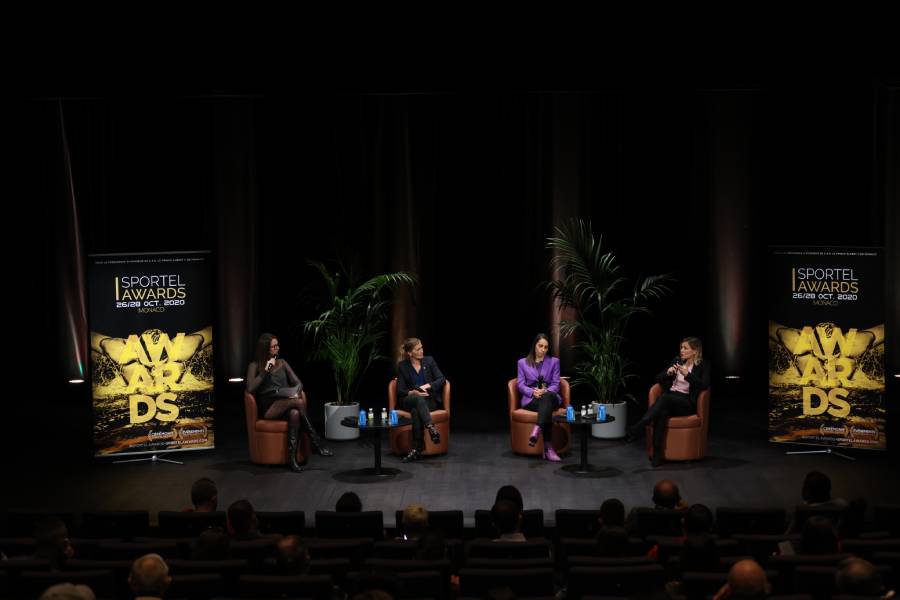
[{"x": 742, "y": 469}]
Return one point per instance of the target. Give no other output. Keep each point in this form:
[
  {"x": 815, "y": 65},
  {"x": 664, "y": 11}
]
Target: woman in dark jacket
[
  {"x": 277, "y": 391},
  {"x": 682, "y": 381},
  {"x": 419, "y": 383}
]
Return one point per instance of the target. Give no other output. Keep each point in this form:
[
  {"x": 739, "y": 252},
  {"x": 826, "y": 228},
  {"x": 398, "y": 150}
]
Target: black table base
[
  {"x": 370, "y": 474},
  {"x": 583, "y": 468}
]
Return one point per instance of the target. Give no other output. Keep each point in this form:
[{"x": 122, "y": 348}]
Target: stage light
[
  {"x": 236, "y": 380},
  {"x": 76, "y": 381},
  {"x": 732, "y": 377}
]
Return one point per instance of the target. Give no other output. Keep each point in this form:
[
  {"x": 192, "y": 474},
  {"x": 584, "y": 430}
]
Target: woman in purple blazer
[{"x": 539, "y": 390}]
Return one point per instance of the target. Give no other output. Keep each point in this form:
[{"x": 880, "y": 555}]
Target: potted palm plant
[
  {"x": 347, "y": 332},
  {"x": 590, "y": 282}
]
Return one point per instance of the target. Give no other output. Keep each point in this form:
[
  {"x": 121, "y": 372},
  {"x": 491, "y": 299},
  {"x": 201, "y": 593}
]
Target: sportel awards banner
[
  {"x": 151, "y": 352},
  {"x": 826, "y": 347}
]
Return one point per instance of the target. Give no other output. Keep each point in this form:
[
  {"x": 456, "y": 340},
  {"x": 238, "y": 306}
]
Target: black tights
[
  {"x": 670, "y": 404},
  {"x": 544, "y": 407},
  {"x": 286, "y": 407},
  {"x": 419, "y": 408}
]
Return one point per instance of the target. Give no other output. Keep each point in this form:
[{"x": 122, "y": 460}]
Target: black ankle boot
[
  {"x": 434, "y": 434},
  {"x": 317, "y": 443},
  {"x": 293, "y": 442}
]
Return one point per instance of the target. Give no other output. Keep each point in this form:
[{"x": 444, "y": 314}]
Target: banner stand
[
  {"x": 825, "y": 451},
  {"x": 154, "y": 458}
]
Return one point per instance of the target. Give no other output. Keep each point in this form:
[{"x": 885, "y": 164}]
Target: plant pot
[
  {"x": 616, "y": 429},
  {"x": 334, "y": 414}
]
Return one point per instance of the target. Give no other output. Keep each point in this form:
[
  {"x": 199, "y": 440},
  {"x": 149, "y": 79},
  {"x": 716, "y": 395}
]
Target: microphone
[{"x": 270, "y": 365}]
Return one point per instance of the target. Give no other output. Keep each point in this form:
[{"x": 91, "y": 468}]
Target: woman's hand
[
  {"x": 682, "y": 369},
  {"x": 270, "y": 364},
  {"x": 538, "y": 392},
  {"x": 671, "y": 371}
]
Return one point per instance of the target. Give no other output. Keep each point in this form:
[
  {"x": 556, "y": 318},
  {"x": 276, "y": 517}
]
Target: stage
[{"x": 742, "y": 469}]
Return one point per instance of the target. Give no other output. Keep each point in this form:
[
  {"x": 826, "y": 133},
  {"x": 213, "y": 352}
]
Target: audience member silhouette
[
  {"x": 612, "y": 537},
  {"x": 204, "y": 496},
  {"x": 243, "y": 524},
  {"x": 666, "y": 495},
  {"x": 415, "y": 521},
  {"x": 292, "y": 557},
  {"x": 68, "y": 591},
  {"x": 511, "y": 493},
  {"x": 858, "y": 577},
  {"x": 746, "y": 581},
  {"x": 52, "y": 542},
  {"x": 149, "y": 577},
  {"x": 507, "y": 518},
  {"x": 349, "y": 502},
  {"x": 612, "y": 513},
  {"x": 816, "y": 491}
]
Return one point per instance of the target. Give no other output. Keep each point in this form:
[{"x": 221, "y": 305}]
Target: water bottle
[
  {"x": 362, "y": 418},
  {"x": 601, "y": 412},
  {"x": 393, "y": 417},
  {"x": 590, "y": 411},
  {"x": 583, "y": 411},
  {"x": 371, "y": 416},
  {"x": 384, "y": 415},
  {"x": 570, "y": 413}
]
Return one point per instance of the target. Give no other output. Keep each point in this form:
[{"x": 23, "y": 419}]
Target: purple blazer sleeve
[
  {"x": 553, "y": 380},
  {"x": 525, "y": 375}
]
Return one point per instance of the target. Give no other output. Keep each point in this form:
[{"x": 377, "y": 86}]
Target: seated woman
[
  {"x": 682, "y": 381},
  {"x": 277, "y": 390},
  {"x": 419, "y": 383},
  {"x": 538, "y": 383}
]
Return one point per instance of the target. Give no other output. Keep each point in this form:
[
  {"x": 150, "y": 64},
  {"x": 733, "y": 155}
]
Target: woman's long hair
[
  {"x": 262, "y": 350},
  {"x": 696, "y": 345},
  {"x": 530, "y": 358},
  {"x": 407, "y": 346}
]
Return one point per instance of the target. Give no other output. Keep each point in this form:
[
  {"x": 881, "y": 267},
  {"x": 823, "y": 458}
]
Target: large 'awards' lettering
[
  {"x": 161, "y": 408},
  {"x": 825, "y": 367},
  {"x": 151, "y": 372}
]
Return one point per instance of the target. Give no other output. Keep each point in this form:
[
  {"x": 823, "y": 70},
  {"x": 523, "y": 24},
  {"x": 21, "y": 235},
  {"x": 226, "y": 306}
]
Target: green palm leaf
[
  {"x": 351, "y": 323},
  {"x": 589, "y": 281}
]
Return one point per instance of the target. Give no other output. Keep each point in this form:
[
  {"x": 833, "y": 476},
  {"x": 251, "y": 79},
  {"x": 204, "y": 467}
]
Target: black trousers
[
  {"x": 419, "y": 409},
  {"x": 669, "y": 404},
  {"x": 544, "y": 407}
]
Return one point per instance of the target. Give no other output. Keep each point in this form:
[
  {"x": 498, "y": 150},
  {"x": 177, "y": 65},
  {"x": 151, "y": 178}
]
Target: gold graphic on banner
[
  {"x": 832, "y": 374},
  {"x": 149, "y": 380}
]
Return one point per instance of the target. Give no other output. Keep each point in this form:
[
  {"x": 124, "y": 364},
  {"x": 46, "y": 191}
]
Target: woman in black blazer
[
  {"x": 419, "y": 383},
  {"x": 682, "y": 381}
]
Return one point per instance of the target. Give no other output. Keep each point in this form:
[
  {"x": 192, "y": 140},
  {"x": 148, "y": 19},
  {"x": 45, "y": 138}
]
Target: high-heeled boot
[
  {"x": 293, "y": 442},
  {"x": 533, "y": 438},
  {"x": 317, "y": 443}
]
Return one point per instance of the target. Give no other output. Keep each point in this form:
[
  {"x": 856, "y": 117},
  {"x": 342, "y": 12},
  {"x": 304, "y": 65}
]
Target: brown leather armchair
[
  {"x": 522, "y": 421},
  {"x": 401, "y": 437},
  {"x": 267, "y": 438},
  {"x": 686, "y": 436}
]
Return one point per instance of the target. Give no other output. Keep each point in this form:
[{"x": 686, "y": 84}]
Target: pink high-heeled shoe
[{"x": 549, "y": 453}]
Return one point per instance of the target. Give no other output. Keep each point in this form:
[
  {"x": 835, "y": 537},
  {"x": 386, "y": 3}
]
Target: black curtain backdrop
[{"x": 463, "y": 187}]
